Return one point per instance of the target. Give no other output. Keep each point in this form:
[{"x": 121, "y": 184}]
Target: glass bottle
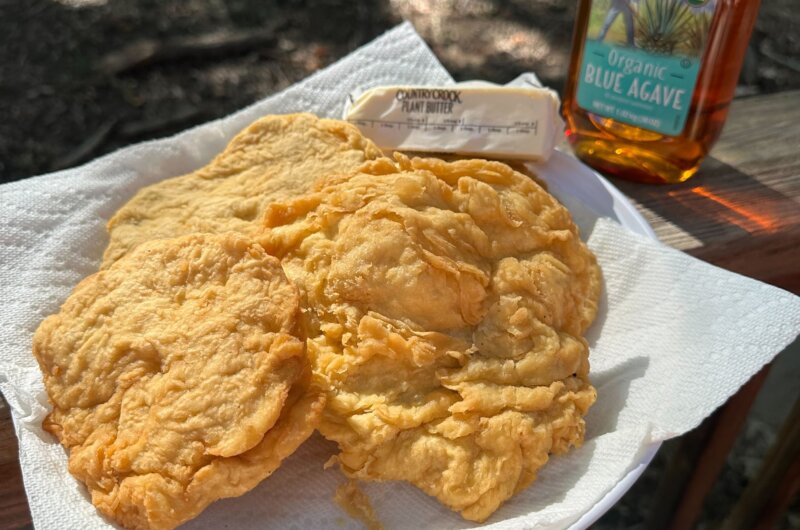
[{"x": 650, "y": 82}]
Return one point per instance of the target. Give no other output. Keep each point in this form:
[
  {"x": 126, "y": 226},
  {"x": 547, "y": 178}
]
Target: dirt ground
[{"x": 61, "y": 104}]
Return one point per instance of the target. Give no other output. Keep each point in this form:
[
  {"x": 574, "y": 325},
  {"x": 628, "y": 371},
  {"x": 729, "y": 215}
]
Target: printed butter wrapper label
[
  {"x": 641, "y": 60},
  {"x": 517, "y": 121}
]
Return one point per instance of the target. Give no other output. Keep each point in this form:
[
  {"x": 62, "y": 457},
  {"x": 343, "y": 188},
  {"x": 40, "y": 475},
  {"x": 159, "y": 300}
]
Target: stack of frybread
[{"x": 427, "y": 316}]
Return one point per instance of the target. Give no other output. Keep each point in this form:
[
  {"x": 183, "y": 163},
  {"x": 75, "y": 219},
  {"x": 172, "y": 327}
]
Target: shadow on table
[{"x": 737, "y": 222}]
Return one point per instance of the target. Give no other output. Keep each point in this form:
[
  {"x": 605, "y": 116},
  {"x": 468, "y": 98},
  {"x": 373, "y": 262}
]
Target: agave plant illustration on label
[
  {"x": 665, "y": 27},
  {"x": 662, "y": 25},
  {"x": 698, "y": 33}
]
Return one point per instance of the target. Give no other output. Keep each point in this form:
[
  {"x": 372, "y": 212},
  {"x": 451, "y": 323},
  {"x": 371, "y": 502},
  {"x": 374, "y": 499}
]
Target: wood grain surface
[{"x": 741, "y": 212}]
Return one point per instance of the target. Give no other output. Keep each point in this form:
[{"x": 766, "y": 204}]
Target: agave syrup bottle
[{"x": 650, "y": 82}]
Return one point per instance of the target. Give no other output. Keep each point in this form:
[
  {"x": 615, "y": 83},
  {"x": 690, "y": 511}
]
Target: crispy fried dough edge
[{"x": 349, "y": 135}]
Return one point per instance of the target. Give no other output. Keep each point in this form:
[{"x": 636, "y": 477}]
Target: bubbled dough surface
[
  {"x": 446, "y": 303},
  {"x": 177, "y": 378},
  {"x": 275, "y": 158}
]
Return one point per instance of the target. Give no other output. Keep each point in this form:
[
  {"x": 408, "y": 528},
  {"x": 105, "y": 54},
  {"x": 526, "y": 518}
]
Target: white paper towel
[{"x": 674, "y": 339}]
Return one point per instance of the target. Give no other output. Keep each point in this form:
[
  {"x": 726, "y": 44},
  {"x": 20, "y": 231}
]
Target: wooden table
[{"x": 741, "y": 212}]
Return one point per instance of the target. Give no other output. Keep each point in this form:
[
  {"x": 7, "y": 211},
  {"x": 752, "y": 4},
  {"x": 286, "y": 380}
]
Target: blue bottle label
[{"x": 641, "y": 59}]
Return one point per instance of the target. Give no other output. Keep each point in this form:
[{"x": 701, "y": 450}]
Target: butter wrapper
[{"x": 518, "y": 121}]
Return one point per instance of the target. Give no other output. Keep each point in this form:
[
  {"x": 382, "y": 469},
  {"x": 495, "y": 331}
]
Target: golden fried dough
[
  {"x": 275, "y": 158},
  {"x": 355, "y": 502},
  {"x": 445, "y": 307},
  {"x": 177, "y": 377}
]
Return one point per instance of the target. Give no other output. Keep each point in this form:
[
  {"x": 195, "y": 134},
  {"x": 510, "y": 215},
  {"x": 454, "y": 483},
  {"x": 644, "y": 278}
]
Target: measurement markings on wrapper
[
  {"x": 521, "y": 128},
  {"x": 488, "y": 121}
]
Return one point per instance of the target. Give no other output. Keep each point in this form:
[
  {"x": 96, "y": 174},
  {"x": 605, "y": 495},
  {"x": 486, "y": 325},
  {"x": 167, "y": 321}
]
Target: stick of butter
[{"x": 518, "y": 121}]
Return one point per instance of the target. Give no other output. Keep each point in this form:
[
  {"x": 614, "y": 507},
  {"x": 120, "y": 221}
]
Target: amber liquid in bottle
[{"x": 643, "y": 155}]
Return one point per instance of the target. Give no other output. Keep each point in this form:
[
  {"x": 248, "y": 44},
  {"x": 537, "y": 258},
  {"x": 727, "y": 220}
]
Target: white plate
[{"x": 588, "y": 195}]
